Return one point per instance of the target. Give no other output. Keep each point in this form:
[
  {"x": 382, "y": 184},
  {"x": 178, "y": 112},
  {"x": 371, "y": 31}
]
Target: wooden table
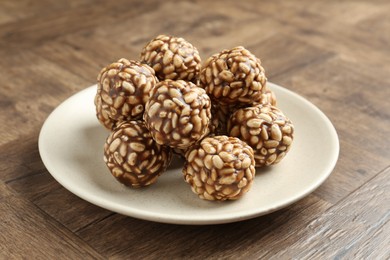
[{"x": 334, "y": 53}]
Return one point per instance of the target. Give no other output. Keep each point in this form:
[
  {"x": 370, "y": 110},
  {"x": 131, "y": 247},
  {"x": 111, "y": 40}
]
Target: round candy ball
[
  {"x": 133, "y": 157},
  {"x": 220, "y": 168},
  {"x": 221, "y": 113},
  {"x": 266, "y": 129},
  {"x": 267, "y": 97},
  {"x": 172, "y": 58},
  {"x": 123, "y": 89},
  {"x": 233, "y": 77},
  {"x": 177, "y": 113}
]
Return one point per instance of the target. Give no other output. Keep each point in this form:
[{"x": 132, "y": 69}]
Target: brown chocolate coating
[
  {"x": 267, "y": 97},
  {"x": 220, "y": 168},
  {"x": 133, "y": 157},
  {"x": 220, "y": 113},
  {"x": 266, "y": 129},
  {"x": 177, "y": 113},
  {"x": 233, "y": 77},
  {"x": 172, "y": 58},
  {"x": 123, "y": 89}
]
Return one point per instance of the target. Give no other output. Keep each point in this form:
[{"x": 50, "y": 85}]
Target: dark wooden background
[{"x": 334, "y": 53}]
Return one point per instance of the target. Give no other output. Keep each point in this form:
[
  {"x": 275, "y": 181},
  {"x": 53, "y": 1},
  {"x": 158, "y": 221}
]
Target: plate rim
[{"x": 193, "y": 220}]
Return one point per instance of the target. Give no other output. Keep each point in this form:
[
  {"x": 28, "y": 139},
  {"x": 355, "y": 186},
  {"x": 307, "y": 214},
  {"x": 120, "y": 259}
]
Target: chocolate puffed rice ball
[
  {"x": 233, "y": 77},
  {"x": 133, "y": 157},
  {"x": 220, "y": 168},
  {"x": 267, "y": 97},
  {"x": 177, "y": 113},
  {"x": 266, "y": 129},
  {"x": 123, "y": 89},
  {"x": 221, "y": 113},
  {"x": 172, "y": 58}
]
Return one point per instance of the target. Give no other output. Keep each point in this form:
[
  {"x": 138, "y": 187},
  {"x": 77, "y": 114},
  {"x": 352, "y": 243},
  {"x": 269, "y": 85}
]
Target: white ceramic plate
[{"x": 71, "y": 146}]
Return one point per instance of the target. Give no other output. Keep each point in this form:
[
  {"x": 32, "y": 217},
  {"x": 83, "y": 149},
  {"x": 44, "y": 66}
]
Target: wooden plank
[
  {"x": 26, "y": 232},
  {"x": 23, "y": 9},
  {"x": 296, "y": 54},
  {"x": 31, "y": 91},
  {"x": 343, "y": 228},
  {"x": 335, "y": 94},
  {"x": 26, "y": 174},
  {"x": 344, "y": 13},
  {"x": 81, "y": 59},
  {"x": 370, "y": 247},
  {"x": 218, "y": 28},
  {"x": 145, "y": 240},
  {"x": 52, "y": 198},
  {"x": 351, "y": 171},
  {"x": 32, "y": 31},
  {"x": 16, "y": 163},
  {"x": 364, "y": 123},
  {"x": 353, "y": 34}
]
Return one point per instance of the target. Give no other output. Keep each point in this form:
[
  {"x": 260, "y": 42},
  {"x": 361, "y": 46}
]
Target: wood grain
[
  {"x": 217, "y": 241},
  {"x": 26, "y": 231},
  {"x": 334, "y": 53},
  {"x": 353, "y": 221}
]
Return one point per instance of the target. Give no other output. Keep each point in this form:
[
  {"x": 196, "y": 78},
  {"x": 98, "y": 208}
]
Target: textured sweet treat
[
  {"x": 212, "y": 131},
  {"x": 266, "y": 129},
  {"x": 133, "y": 157},
  {"x": 172, "y": 58},
  {"x": 221, "y": 113},
  {"x": 177, "y": 113},
  {"x": 123, "y": 89},
  {"x": 220, "y": 168},
  {"x": 267, "y": 97},
  {"x": 233, "y": 77}
]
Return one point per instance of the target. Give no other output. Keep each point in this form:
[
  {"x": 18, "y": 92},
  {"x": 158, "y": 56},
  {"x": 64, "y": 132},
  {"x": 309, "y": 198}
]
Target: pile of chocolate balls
[{"x": 219, "y": 116}]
